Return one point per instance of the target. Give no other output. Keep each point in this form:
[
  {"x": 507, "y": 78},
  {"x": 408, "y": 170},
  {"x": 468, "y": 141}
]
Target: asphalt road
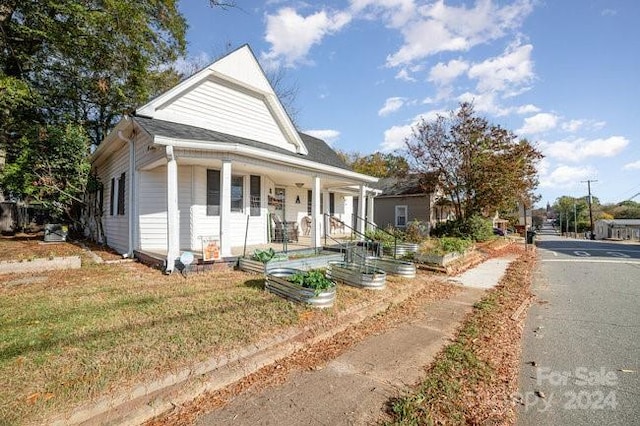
[{"x": 581, "y": 343}]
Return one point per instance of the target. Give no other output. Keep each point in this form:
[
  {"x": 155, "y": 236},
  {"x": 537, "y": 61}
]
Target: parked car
[{"x": 498, "y": 231}]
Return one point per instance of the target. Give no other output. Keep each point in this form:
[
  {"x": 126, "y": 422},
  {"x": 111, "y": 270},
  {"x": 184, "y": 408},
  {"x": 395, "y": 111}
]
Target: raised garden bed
[
  {"x": 401, "y": 249},
  {"x": 357, "y": 276},
  {"x": 277, "y": 282},
  {"x": 392, "y": 266},
  {"x": 303, "y": 263},
  {"x": 40, "y": 264}
]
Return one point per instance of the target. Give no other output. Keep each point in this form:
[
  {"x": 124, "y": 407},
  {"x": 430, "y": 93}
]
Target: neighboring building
[
  {"x": 619, "y": 229},
  {"x": 209, "y": 160},
  {"x": 404, "y": 199}
]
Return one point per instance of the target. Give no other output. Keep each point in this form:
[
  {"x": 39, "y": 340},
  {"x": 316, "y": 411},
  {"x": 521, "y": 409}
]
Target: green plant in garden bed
[
  {"x": 314, "y": 280},
  {"x": 444, "y": 245},
  {"x": 265, "y": 256}
]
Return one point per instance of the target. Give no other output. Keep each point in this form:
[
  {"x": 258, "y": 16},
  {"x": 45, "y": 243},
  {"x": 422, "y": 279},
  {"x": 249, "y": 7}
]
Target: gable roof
[
  {"x": 203, "y": 100},
  {"x": 318, "y": 150},
  {"x": 411, "y": 184}
]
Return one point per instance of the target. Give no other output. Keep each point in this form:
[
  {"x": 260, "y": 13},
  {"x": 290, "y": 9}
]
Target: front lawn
[{"x": 69, "y": 336}]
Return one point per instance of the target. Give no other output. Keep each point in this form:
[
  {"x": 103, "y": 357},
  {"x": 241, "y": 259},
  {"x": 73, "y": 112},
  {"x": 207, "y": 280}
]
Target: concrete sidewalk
[{"x": 354, "y": 388}]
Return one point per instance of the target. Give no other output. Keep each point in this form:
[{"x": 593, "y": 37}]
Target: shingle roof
[
  {"x": 318, "y": 149},
  {"x": 411, "y": 184}
]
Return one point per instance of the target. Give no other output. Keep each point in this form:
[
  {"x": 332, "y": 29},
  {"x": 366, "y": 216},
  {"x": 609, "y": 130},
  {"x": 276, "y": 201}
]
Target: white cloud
[
  {"x": 538, "y": 123},
  {"x": 484, "y": 103},
  {"x": 292, "y": 35},
  {"x": 572, "y": 125},
  {"x": 327, "y": 135},
  {"x": 443, "y": 74},
  {"x": 580, "y": 149},
  {"x": 632, "y": 166},
  {"x": 394, "y": 138},
  {"x": 566, "y": 176},
  {"x": 510, "y": 72},
  {"x": 436, "y": 27},
  {"x": 396, "y": 12},
  {"x": 527, "y": 109},
  {"x": 609, "y": 12},
  {"x": 391, "y": 105},
  {"x": 403, "y": 74}
]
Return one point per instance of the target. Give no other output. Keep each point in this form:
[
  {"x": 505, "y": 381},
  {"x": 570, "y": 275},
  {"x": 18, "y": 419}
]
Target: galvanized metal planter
[
  {"x": 402, "y": 249},
  {"x": 304, "y": 263},
  {"x": 277, "y": 283},
  {"x": 357, "y": 276},
  {"x": 392, "y": 266}
]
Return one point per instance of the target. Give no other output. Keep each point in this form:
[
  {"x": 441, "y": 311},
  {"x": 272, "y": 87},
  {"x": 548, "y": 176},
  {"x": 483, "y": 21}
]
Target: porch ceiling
[{"x": 281, "y": 175}]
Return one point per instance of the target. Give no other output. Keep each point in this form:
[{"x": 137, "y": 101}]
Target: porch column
[
  {"x": 173, "y": 219},
  {"x": 370, "y": 210},
  {"x": 225, "y": 208},
  {"x": 361, "y": 210},
  {"x": 316, "y": 240}
]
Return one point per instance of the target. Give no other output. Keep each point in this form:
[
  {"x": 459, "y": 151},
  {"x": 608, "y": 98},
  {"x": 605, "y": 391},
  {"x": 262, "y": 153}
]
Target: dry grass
[
  {"x": 472, "y": 380},
  {"x": 67, "y": 337},
  {"x": 314, "y": 356}
]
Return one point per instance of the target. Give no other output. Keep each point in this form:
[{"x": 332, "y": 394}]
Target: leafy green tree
[
  {"x": 481, "y": 167},
  {"x": 51, "y": 168},
  {"x": 68, "y": 71},
  {"x": 377, "y": 164}
]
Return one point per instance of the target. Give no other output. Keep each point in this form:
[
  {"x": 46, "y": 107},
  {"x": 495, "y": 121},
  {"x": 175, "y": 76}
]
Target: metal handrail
[
  {"x": 377, "y": 228},
  {"x": 365, "y": 238}
]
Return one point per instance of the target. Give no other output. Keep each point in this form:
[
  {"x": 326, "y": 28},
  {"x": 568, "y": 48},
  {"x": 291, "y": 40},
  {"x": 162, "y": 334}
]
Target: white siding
[
  {"x": 214, "y": 106},
  {"x": 184, "y": 206},
  {"x": 116, "y": 227},
  {"x": 205, "y": 226},
  {"x": 152, "y": 208},
  {"x": 242, "y": 66},
  {"x": 145, "y": 151}
]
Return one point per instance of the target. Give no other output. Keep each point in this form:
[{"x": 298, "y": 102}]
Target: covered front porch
[{"x": 222, "y": 206}]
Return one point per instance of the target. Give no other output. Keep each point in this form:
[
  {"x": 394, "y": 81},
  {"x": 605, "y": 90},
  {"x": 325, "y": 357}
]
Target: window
[
  {"x": 401, "y": 216},
  {"x": 213, "y": 192},
  {"x": 121, "y": 186},
  {"x": 254, "y": 194},
  {"x": 332, "y": 203},
  {"x": 237, "y": 193},
  {"x": 310, "y": 201},
  {"x": 112, "y": 198}
]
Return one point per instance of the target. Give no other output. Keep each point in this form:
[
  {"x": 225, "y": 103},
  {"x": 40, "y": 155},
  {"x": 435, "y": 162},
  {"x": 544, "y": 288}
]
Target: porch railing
[
  {"x": 370, "y": 245},
  {"x": 376, "y": 228}
]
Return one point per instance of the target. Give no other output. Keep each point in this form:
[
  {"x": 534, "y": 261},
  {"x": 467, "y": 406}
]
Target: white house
[{"x": 210, "y": 158}]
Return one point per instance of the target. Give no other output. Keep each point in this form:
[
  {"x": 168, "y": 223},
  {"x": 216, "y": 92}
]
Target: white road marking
[
  {"x": 629, "y": 262},
  {"x": 581, "y": 253},
  {"x": 618, "y": 254}
]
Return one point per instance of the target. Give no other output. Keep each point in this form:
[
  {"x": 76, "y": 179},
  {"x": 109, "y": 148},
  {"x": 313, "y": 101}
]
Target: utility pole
[
  {"x": 592, "y": 236},
  {"x": 575, "y": 220}
]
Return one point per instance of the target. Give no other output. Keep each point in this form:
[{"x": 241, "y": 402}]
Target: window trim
[
  {"x": 213, "y": 196},
  {"x": 398, "y": 208},
  {"x": 241, "y": 179}
]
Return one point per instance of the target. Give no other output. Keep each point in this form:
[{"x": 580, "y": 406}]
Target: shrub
[
  {"x": 475, "y": 228},
  {"x": 416, "y": 231}
]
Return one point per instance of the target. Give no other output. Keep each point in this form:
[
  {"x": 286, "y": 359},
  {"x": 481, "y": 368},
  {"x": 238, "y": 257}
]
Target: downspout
[{"x": 132, "y": 169}]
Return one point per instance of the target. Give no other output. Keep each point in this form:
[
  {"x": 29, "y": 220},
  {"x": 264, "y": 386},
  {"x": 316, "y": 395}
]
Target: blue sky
[{"x": 565, "y": 74}]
